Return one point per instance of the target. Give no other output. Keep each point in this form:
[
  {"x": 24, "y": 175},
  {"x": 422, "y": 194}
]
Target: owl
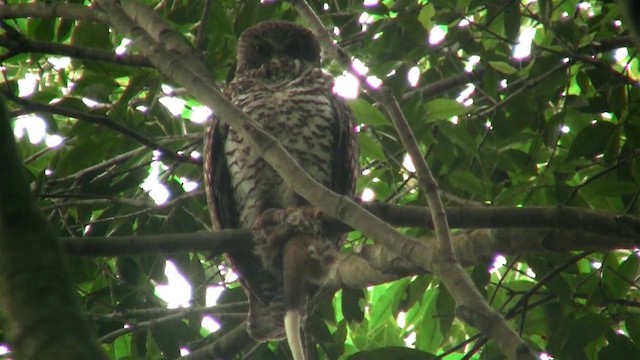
[{"x": 279, "y": 84}]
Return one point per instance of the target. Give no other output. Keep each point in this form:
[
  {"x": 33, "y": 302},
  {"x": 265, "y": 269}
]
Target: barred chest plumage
[{"x": 298, "y": 112}]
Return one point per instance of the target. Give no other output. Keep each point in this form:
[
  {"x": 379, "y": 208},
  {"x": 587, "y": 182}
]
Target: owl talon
[{"x": 275, "y": 226}]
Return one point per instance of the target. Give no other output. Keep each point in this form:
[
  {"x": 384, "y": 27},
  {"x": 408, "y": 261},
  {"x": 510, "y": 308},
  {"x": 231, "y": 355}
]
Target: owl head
[{"x": 272, "y": 40}]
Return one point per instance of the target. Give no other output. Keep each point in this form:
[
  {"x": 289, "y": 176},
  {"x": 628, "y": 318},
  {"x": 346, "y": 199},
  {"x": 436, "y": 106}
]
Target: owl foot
[{"x": 275, "y": 226}]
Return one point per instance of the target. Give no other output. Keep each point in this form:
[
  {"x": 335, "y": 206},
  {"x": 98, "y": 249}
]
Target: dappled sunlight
[
  {"x": 157, "y": 190},
  {"x": 200, "y": 114},
  {"x": 177, "y": 292},
  {"x": 437, "y": 34},
  {"x": 347, "y": 86},
  {"x": 31, "y": 125},
  {"x": 523, "y": 47}
]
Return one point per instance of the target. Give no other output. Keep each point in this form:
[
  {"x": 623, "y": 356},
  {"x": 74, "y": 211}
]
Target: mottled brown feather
[{"x": 283, "y": 88}]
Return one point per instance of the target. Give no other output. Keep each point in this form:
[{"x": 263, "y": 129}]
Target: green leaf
[
  {"x": 584, "y": 331},
  {"x": 503, "y": 67},
  {"x": 366, "y": 114},
  {"x": 512, "y": 20},
  {"x": 442, "y": 109},
  {"x": 425, "y": 16},
  {"x": 392, "y": 352},
  {"x": 351, "y": 309},
  {"x": 370, "y": 148},
  {"x": 591, "y": 140},
  {"x": 468, "y": 182}
]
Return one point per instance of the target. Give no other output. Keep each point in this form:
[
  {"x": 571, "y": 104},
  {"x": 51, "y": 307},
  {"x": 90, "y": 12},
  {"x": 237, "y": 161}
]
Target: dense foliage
[{"x": 514, "y": 104}]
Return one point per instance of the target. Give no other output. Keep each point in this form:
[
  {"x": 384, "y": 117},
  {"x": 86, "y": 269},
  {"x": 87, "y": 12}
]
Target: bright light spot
[
  {"x": 454, "y": 119},
  {"x": 596, "y": 265},
  {"x": 86, "y": 229},
  {"x": 565, "y": 14},
  {"x": 377, "y": 35},
  {"x": 617, "y": 23},
  {"x": 336, "y": 31},
  {"x": 48, "y": 172},
  {"x": 188, "y": 185},
  {"x": 473, "y": 60},
  {"x": 621, "y": 54},
  {"x": 584, "y": 6},
  {"x": 142, "y": 108},
  {"x": 375, "y": 180},
  {"x": 545, "y": 356},
  {"x": 200, "y": 114},
  {"x": 325, "y": 7},
  {"x": 540, "y": 166},
  {"x": 122, "y": 48},
  {"x": 523, "y": 48},
  {"x": 53, "y": 141},
  {"x": 166, "y": 89},
  {"x": 210, "y": 324},
  {"x": 565, "y": 129},
  {"x": 606, "y": 116},
  {"x": 407, "y": 163},
  {"x": 184, "y": 351},
  {"x": 487, "y": 124},
  {"x": 621, "y": 332},
  {"x": 173, "y": 104},
  {"x": 464, "y": 23},
  {"x": 365, "y": 18},
  {"x": 464, "y": 94},
  {"x": 503, "y": 83},
  {"x": 498, "y": 262},
  {"x": 374, "y": 81},
  {"x": 59, "y": 63},
  {"x": 402, "y": 319},
  {"x": 359, "y": 67},
  {"x": 437, "y": 34},
  {"x": 4, "y": 349},
  {"x": 347, "y": 86},
  {"x": 196, "y": 155},
  {"x": 370, "y": 2},
  {"x": 368, "y": 195},
  {"x": 89, "y": 102},
  {"x": 27, "y": 85},
  {"x": 213, "y": 294},
  {"x": 413, "y": 76},
  {"x": 33, "y": 125},
  {"x": 228, "y": 273},
  {"x": 157, "y": 191},
  {"x": 530, "y": 273},
  {"x": 410, "y": 340},
  {"x": 366, "y": 172},
  {"x": 177, "y": 293}
]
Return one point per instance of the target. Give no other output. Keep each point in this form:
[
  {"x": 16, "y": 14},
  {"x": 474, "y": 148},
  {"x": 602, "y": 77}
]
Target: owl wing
[
  {"x": 262, "y": 289},
  {"x": 222, "y": 207},
  {"x": 346, "y": 167}
]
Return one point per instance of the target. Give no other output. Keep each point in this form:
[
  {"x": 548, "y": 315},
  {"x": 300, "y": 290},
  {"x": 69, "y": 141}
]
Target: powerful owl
[{"x": 279, "y": 84}]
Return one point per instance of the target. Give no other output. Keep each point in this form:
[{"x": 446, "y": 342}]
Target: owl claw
[{"x": 275, "y": 226}]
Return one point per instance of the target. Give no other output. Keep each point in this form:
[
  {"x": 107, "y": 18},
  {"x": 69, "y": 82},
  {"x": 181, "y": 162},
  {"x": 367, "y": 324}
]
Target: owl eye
[
  {"x": 294, "y": 49},
  {"x": 262, "y": 49}
]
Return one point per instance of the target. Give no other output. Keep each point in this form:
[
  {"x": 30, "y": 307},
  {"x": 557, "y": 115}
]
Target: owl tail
[{"x": 266, "y": 321}]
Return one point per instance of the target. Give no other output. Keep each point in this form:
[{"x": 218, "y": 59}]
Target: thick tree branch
[
  {"x": 471, "y": 305},
  {"x": 41, "y": 309},
  {"x": 16, "y": 44},
  {"x": 51, "y": 10}
]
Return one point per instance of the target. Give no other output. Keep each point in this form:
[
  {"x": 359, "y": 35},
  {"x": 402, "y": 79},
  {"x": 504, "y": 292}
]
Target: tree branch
[
  {"x": 37, "y": 299},
  {"x": 471, "y": 306}
]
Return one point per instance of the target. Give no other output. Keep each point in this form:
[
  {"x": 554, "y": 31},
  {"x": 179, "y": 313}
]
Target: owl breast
[{"x": 300, "y": 116}]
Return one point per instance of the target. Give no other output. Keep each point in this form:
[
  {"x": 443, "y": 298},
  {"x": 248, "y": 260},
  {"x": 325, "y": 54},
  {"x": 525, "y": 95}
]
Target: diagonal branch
[{"x": 471, "y": 305}]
